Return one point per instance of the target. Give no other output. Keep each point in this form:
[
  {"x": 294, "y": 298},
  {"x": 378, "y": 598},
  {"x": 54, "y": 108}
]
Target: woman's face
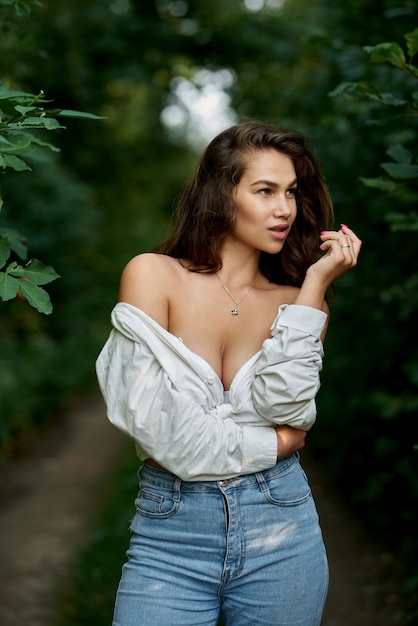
[{"x": 265, "y": 201}]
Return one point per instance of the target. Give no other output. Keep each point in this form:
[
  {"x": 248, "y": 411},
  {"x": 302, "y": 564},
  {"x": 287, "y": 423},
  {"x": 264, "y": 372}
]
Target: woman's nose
[{"x": 281, "y": 206}]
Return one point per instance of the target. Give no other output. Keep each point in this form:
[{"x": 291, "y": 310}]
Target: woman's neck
[{"x": 240, "y": 268}]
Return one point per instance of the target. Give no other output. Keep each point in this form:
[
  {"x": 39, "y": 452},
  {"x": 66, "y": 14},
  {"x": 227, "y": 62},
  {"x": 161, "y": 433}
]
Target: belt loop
[
  {"x": 177, "y": 490},
  {"x": 261, "y": 481}
]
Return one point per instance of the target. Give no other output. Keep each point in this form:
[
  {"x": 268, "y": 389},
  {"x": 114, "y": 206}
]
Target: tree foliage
[{"x": 20, "y": 115}]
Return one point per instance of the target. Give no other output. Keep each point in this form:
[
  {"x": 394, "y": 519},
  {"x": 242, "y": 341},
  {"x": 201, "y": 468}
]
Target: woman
[{"x": 212, "y": 368}]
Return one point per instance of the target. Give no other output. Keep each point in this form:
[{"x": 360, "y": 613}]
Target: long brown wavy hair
[{"x": 205, "y": 212}]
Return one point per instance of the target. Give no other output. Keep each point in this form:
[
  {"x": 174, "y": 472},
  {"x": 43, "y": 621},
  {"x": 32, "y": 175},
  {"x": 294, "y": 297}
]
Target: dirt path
[
  {"x": 48, "y": 499},
  {"x": 364, "y": 589},
  {"x": 47, "y": 502}
]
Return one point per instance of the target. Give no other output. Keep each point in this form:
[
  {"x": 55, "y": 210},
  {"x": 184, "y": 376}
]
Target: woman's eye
[
  {"x": 291, "y": 192},
  {"x": 265, "y": 192}
]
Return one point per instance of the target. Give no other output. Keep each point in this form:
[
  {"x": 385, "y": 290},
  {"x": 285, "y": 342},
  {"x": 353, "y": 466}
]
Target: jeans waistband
[{"x": 162, "y": 478}]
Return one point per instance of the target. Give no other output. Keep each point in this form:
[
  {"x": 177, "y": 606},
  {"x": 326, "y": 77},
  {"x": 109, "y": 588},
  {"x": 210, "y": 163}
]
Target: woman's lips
[{"x": 279, "y": 233}]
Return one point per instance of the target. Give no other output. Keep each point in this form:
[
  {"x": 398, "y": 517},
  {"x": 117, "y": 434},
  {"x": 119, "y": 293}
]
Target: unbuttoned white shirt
[{"x": 171, "y": 401}]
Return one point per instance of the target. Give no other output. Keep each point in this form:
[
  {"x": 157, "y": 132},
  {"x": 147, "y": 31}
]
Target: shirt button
[{"x": 210, "y": 381}]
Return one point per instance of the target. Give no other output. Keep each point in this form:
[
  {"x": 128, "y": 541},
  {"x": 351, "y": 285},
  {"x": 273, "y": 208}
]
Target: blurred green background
[{"x": 167, "y": 76}]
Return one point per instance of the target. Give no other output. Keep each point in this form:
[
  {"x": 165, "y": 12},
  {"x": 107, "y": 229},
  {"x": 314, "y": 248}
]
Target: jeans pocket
[
  {"x": 157, "y": 502},
  {"x": 289, "y": 488}
]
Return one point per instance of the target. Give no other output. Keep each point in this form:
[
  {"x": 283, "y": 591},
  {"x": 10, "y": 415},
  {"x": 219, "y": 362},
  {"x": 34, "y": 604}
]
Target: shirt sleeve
[
  {"x": 169, "y": 425},
  {"x": 287, "y": 374}
]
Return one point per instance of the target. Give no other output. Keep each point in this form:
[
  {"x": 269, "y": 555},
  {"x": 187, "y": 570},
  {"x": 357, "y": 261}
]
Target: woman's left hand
[{"x": 341, "y": 248}]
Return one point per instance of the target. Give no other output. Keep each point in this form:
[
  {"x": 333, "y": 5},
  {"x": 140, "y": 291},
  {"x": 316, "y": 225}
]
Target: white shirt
[{"x": 171, "y": 401}]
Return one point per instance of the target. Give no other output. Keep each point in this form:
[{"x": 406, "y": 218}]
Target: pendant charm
[{"x": 235, "y": 311}]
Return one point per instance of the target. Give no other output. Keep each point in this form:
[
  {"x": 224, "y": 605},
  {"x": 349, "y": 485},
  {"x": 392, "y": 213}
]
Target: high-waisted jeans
[{"x": 249, "y": 548}]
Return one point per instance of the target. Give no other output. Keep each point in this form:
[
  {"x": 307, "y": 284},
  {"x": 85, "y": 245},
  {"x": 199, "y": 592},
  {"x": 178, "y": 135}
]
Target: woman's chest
[{"x": 225, "y": 341}]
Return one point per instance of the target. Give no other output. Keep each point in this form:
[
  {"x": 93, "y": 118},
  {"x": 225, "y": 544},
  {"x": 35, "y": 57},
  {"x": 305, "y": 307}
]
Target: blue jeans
[{"x": 249, "y": 548}]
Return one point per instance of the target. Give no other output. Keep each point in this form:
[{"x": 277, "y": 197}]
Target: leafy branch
[
  {"x": 22, "y": 114},
  {"x": 403, "y": 169}
]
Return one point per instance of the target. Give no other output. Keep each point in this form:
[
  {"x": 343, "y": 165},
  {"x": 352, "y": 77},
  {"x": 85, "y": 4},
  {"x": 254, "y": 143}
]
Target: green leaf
[
  {"x": 412, "y": 42},
  {"x": 78, "y": 114},
  {"x": 4, "y": 250},
  {"x": 22, "y": 9},
  {"x": 4, "y": 143},
  {"x": 402, "y": 223},
  {"x": 16, "y": 241},
  {"x": 368, "y": 91},
  {"x": 401, "y": 171},
  {"x": 15, "y": 163},
  {"x": 49, "y": 123},
  {"x": 379, "y": 183},
  {"x": 401, "y": 217},
  {"x": 25, "y": 110},
  {"x": 9, "y": 286},
  {"x": 44, "y": 144},
  {"x": 27, "y": 280},
  {"x": 388, "y": 52},
  {"x": 390, "y": 99},
  {"x": 36, "y": 296},
  {"x": 412, "y": 69},
  {"x": 8, "y": 94},
  {"x": 399, "y": 154},
  {"x": 35, "y": 271},
  {"x": 359, "y": 88},
  {"x": 16, "y": 143}
]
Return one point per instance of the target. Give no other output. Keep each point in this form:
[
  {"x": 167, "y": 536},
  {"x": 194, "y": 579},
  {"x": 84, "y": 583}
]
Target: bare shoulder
[
  {"x": 280, "y": 294},
  {"x": 148, "y": 263},
  {"x": 288, "y": 294},
  {"x": 146, "y": 283}
]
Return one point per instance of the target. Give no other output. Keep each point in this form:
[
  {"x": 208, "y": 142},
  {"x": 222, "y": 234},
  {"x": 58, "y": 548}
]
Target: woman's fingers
[
  {"x": 341, "y": 248},
  {"x": 344, "y": 243},
  {"x": 352, "y": 243}
]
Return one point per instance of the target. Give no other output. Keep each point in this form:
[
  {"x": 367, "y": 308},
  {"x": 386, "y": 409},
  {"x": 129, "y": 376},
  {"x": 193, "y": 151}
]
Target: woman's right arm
[{"x": 170, "y": 426}]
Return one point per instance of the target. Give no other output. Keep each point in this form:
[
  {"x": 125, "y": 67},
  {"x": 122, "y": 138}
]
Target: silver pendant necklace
[{"x": 235, "y": 310}]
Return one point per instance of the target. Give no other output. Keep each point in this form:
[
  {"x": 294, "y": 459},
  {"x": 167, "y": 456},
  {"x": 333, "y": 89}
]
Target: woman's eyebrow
[{"x": 270, "y": 183}]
